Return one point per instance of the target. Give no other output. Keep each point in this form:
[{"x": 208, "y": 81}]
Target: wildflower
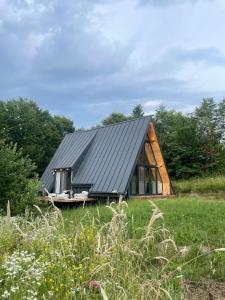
[
  {"x": 14, "y": 289},
  {"x": 5, "y": 295},
  {"x": 94, "y": 284}
]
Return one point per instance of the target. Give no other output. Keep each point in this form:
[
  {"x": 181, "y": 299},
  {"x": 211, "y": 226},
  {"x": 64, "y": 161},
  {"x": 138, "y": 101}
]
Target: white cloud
[
  {"x": 88, "y": 58},
  {"x": 153, "y": 103}
]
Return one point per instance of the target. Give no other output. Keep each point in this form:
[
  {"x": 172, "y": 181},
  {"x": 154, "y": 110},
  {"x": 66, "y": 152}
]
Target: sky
[{"x": 86, "y": 58}]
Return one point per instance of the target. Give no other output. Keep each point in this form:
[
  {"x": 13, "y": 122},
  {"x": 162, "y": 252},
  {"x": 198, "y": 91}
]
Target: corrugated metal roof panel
[
  {"x": 112, "y": 155},
  {"x": 108, "y": 155},
  {"x": 68, "y": 152}
]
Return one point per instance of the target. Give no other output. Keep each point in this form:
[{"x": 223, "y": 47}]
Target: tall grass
[
  {"x": 42, "y": 259},
  {"x": 200, "y": 185}
]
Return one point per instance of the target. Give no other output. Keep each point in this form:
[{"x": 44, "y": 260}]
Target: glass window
[
  {"x": 153, "y": 175},
  {"x": 62, "y": 181},
  {"x": 141, "y": 158},
  {"x": 57, "y": 182},
  {"x": 134, "y": 183},
  {"x": 147, "y": 181},
  {"x": 146, "y": 178},
  {"x": 141, "y": 180},
  {"x": 150, "y": 158},
  {"x": 159, "y": 183}
]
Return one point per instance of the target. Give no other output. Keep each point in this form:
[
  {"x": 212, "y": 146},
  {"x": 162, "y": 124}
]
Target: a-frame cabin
[{"x": 119, "y": 159}]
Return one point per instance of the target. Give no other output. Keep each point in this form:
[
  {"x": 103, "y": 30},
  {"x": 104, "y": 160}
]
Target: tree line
[
  {"x": 29, "y": 137},
  {"x": 192, "y": 144}
]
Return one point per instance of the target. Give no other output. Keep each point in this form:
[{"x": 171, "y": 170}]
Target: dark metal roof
[
  {"x": 68, "y": 153},
  {"x": 111, "y": 155}
]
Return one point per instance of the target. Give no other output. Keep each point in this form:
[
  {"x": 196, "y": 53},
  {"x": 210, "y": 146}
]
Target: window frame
[{"x": 147, "y": 166}]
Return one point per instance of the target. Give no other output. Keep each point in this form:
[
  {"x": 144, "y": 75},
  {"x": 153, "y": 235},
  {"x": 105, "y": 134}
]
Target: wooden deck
[{"x": 68, "y": 200}]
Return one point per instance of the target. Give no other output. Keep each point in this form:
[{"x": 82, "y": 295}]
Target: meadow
[
  {"x": 204, "y": 185},
  {"x": 133, "y": 250},
  {"x": 195, "y": 222}
]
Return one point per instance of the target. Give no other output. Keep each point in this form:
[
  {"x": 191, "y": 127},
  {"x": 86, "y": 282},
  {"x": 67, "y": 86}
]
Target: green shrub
[{"x": 18, "y": 183}]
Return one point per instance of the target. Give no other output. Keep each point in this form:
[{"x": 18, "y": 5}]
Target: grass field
[
  {"x": 195, "y": 222},
  {"x": 215, "y": 184},
  {"x": 122, "y": 252}
]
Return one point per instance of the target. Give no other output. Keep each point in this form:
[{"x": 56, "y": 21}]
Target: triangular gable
[
  {"x": 150, "y": 159},
  {"x": 159, "y": 160}
]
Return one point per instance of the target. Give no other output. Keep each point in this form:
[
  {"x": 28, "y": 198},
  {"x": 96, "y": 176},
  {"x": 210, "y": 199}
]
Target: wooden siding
[{"x": 159, "y": 160}]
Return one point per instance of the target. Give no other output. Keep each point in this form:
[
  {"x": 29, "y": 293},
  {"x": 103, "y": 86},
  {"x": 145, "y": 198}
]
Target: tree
[
  {"x": 221, "y": 120},
  {"x": 137, "y": 112},
  {"x": 209, "y": 135},
  {"x": 17, "y": 179},
  {"x": 179, "y": 143},
  {"x": 36, "y": 132},
  {"x": 115, "y": 117},
  {"x": 193, "y": 144}
]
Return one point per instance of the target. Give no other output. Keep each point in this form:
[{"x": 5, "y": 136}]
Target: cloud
[
  {"x": 205, "y": 55},
  {"x": 168, "y": 2},
  {"x": 152, "y": 103},
  {"x": 88, "y": 58}
]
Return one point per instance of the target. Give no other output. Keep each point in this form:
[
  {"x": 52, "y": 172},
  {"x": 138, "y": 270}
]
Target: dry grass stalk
[
  {"x": 156, "y": 215},
  {"x": 104, "y": 296},
  {"x": 8, "y": 212}
]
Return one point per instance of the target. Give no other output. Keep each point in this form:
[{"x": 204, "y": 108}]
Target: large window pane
[
  {"x": 57, "y": 182},
  {"x": 150, "y": 158},
  {"x": 141, "y": 180},
  {"x": 134, "y": 183},
  {"x": 159, "y": 183},
  {"x": 153, "y": 180},
  {"x": 141, "y": 158},
  {"x": 147, "y": 190},
  {"x": 62, "y": 181}
]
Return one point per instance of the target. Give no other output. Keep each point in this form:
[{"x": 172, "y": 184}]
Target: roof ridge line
[{"x": 103, "y": 126}]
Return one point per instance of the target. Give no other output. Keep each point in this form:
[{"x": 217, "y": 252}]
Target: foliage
[
  {"x": 117, "y": 117},
  {"x": 35, "y": 131},
  {"x": 209, "y": 135},
  {"x": 137, "y": 111},
  {"x": 193, "y": 144},
  {"x": 179, "y": 143},
  {"x": 16, "y": 182},
  {"x": 113, "y": 118}
]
